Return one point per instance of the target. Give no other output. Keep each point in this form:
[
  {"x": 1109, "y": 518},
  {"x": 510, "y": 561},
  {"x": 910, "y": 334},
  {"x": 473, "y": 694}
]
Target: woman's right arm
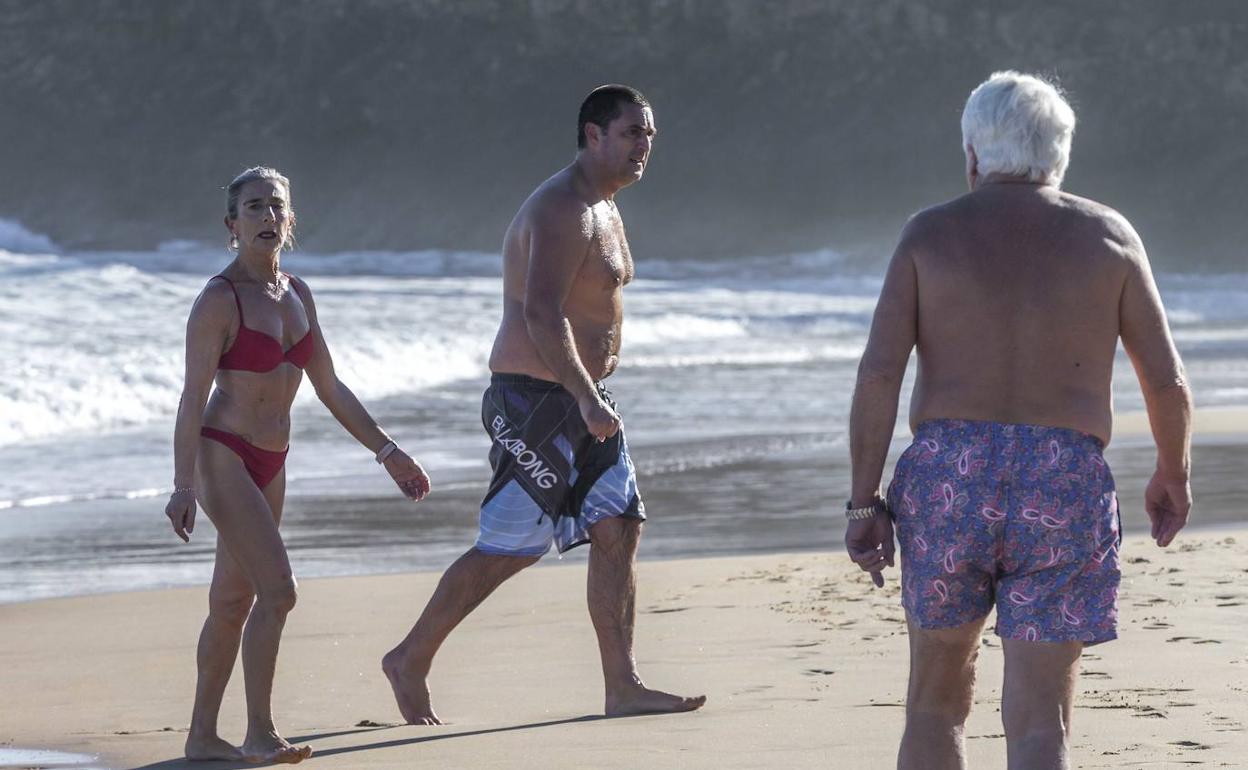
[{"x": 206, "y": 332}]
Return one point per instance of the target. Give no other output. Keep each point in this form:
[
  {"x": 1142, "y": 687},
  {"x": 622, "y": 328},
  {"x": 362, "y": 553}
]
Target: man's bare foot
[
  {"x": 271, "y": 748},
  {"x": 411, "y": 690},
  {"x": 210, "y": 747},
  {"x": 642, "y": 700}
]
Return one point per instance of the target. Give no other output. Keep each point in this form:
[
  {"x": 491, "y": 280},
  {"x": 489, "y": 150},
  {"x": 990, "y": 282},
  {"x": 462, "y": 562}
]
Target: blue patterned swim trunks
[{"x": 1023, "y": 517}]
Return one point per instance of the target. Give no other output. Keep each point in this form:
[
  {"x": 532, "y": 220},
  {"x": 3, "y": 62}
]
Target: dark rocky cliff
[{"x": 424, "y": 123}]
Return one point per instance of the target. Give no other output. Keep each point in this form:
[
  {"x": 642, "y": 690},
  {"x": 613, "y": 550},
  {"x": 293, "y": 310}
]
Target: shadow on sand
[{"x": 184, "y": 764}]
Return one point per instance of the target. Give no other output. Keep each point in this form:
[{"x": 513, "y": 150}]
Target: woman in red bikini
[{"x": 253, "y": 329}]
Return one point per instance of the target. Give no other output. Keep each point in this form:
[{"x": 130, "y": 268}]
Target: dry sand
[{"x": 804, "y": 663}]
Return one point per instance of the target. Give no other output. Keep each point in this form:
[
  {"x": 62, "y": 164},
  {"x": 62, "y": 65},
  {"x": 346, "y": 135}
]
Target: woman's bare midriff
[{"x": 255, "y": 405}]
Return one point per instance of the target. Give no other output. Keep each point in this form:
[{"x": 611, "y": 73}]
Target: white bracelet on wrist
[{"x": 386, "y": 451}]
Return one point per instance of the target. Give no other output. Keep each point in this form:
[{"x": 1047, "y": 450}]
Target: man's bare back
[
  {"x": 562, "y": 214},
  {"x": 1017, "y": 267}
]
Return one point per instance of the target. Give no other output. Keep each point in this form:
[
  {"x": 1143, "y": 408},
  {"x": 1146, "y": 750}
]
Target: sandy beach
[{"x": 804, "y": 664}]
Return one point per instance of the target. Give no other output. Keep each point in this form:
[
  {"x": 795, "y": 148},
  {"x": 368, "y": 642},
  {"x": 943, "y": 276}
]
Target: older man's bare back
[
  {"x": 569, "y": 229},
  {"x": 1022, "y": 293}
]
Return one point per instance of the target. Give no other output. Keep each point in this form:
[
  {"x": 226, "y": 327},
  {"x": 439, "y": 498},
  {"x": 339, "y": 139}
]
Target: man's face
[{"x": 624, "y": 147}]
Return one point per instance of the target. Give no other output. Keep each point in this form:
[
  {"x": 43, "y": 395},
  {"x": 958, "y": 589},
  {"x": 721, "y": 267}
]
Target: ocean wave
[
  {"x": 772, "y": 357},
  {"x": 16, "y": 238}
]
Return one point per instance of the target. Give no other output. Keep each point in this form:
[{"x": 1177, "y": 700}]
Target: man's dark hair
[{"x": 603, "y": 106}]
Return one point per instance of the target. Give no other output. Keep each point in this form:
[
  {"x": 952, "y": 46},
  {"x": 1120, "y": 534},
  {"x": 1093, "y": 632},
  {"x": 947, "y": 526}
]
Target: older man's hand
[
  {"x": 870, "y": 544},
  {"x": 1168, "y": 502}
]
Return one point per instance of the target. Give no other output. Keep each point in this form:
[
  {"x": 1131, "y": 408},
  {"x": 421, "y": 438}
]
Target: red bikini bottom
[{"x": 261, "y": 464}]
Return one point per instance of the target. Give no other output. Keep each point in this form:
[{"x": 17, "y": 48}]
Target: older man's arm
[
  {"x": 1167, "y": 397},
  {"x": 873, "y": 413}
]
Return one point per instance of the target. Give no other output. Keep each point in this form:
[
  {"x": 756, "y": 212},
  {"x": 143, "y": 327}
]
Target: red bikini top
[{"x": 254, "y": 351}]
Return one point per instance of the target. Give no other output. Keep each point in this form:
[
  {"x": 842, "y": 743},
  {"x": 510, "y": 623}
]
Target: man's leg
[
  {"x": 938, "y": 700},
  {"x": 1036, "y": 702},
  {"x": 611, "y": 593},
  {"x": 466, "y": 584}
]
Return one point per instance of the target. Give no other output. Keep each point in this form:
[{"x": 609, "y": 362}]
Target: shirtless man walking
[
  {"x": 1015, "y": 296},
  {"x": 562, "y": 472}
]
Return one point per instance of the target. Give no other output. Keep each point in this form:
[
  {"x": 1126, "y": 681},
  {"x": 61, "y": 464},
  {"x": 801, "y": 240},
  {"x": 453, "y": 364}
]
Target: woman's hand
[
  {"x": 407, "y": 473},
  {"x": 181, "y": 513}
]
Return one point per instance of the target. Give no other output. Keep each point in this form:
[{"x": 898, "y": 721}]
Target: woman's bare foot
[
  {"x": 639, "y": 699},
  {"x": 210, "y": 747},
  {"x": 411, "y": 689},
  {"x": 271, "y": 748}
]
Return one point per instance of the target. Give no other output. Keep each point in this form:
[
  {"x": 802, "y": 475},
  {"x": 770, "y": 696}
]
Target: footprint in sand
[
  {"x": 1095, "y": 675},
  {"x": 1148, "y": 712},
  {"x": 1190, "y": 745}
]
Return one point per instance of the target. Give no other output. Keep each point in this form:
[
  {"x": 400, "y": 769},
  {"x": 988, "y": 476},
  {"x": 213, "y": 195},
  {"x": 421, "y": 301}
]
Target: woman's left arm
[{"x": 347, "y": 409}]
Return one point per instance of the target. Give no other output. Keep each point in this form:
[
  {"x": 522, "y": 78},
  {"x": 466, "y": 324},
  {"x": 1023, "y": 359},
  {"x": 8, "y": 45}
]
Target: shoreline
[
  {"x": 787, "y": 645},
  {"x": 766, "y": 502}
]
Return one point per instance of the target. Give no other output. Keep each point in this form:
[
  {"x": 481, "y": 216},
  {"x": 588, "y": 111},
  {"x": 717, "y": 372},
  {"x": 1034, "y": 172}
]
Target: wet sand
[{"x": 803, "y": 661}]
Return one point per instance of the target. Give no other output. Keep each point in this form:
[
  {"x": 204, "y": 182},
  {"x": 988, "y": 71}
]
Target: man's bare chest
[{"x": 609, "y": 265}]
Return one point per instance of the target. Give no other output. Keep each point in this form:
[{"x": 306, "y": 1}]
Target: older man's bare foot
[
  {"x": 210, "y": 747},
  {"x": 640, "y": 699},
  {"x": 411, "y": 689},
  {"x": 271, "y": 748}
]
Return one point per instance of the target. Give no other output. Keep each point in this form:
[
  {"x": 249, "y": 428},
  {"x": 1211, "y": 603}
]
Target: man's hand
[
  {"x": 1168, "y": 502},
  {"x": 601, "y": 419},
  {"x": 181, "y": 512},
  {"x": 870, "y": 544},
  {"x": 407, "y": 473}
]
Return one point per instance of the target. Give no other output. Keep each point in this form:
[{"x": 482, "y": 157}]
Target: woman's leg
[
  {"x": 229, "y": 603},
  {"x": 246, "y": 520}
]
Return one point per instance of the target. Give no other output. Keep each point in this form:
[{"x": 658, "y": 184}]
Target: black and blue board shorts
[{"x": 552, "y": 479}]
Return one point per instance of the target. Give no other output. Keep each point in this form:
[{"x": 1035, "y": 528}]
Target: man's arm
[
  {"x": 1167, "y": 397},
  {"x": 559, "y": 242},
  {"x": 873, "y": 413}
]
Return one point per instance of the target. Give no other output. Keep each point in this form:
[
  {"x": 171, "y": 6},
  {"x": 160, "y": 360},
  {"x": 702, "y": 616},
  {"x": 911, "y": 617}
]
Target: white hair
[{"x": 1019, "y": 125}]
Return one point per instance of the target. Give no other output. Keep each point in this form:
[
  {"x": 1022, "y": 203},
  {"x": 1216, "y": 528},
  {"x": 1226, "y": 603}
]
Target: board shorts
[
  {"x": 1023, "y": 517},
  {"x": 552, "y": 479}
]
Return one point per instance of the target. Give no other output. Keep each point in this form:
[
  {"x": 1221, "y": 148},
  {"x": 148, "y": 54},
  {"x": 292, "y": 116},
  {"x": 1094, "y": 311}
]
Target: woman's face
[{"x": 264, "y": 217}]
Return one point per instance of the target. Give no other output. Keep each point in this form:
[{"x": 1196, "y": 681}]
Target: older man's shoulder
[
  {"x": 1101, "y": 221},
  {"x": 933, "y": 222}
]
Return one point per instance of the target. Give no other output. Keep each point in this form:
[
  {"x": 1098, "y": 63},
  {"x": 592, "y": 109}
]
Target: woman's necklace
[{"x": 276, "y": 289}]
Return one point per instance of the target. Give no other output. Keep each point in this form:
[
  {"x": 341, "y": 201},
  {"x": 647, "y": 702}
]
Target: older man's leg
[
  {"x": 611, "y": 594},
  {"x": 938, "y": 700},
  {"x": 1036, "y": 702}
]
